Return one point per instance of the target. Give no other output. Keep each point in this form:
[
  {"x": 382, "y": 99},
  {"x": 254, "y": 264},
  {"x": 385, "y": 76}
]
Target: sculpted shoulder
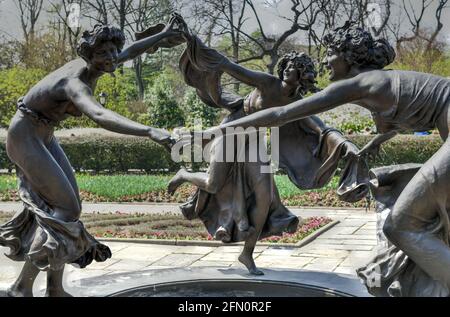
[{"x": 374, "y": 81}]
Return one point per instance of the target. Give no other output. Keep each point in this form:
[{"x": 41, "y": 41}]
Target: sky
[{"x": 10, "y": 21}]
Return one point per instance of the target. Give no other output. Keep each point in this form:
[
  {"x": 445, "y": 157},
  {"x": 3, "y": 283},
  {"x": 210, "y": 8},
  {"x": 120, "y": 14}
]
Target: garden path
[{"x": 342, "y": 249}]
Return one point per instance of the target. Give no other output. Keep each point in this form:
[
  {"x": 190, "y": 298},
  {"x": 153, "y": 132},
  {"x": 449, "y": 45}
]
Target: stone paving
[{"x": 342, "y": 249}]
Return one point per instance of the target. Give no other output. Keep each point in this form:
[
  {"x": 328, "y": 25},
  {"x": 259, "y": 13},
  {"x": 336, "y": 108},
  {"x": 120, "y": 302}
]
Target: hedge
[
  {"x": 404, "y": 148},
  {"x": 118, "y": 153},
  {"x": 108, "y": 151}
]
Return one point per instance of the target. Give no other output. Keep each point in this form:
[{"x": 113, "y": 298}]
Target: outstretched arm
[
  {"x": 336, "y": 94},
  {"x": 82, "y": 98}
]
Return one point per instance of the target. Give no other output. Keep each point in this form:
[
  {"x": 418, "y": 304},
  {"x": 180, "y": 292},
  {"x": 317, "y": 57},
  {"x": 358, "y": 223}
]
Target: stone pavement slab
[{"x": 342, "y": 249}]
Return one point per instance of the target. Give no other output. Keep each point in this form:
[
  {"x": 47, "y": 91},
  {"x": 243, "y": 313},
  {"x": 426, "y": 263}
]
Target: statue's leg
[
  {"x": 55, "y": 278},
  {"x": 61, "y": 158},
  {"x": 41, "y": 167},
  {"x": 55, "y": 284},
  {"x": 46, "y": 177},
  {"x": 23, "y": 286},
  {"x": 258, "y": 214},
  {"x": 423, "y": 201},
  {"x": 211, "y": 181}
]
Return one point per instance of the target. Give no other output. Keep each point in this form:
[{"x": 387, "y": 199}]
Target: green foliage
[
  {"x": 116, "y": 186},
  {"x": 419, "y": 63},
  {"x": 323, "y": 80},
  {"x": 120, "y": 91},
  {"x": 163, "y": 108},
  {"x": 8, "y": 182},
  {"x": 357, "y": 124},
  {"x": 14, "y": 83},
  {"x": 197, "y": 110},
  {"x": 287, "y": 189},
  {"x": 402, "y": 149},
  {"x": 117, "y": 154}
]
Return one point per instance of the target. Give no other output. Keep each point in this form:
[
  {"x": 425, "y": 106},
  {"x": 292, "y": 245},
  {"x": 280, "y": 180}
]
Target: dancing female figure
[
  {"x": 47, "y": 234},
  {"x": 235, "y": 200},
  {"x": 418, "y": 223}
]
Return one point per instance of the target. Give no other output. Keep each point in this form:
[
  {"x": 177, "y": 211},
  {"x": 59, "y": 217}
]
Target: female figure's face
[
  {"x": 291, "y": 74},
  {"x": 104, "y": 57},
  {"x": 337, "y": 64}
]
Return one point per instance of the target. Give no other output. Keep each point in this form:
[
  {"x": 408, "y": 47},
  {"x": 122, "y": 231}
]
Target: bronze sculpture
[
  {"x": 47, "y": 233},
  {"x": 235, "y": 201},
  {"x": 399, "y": 100}
]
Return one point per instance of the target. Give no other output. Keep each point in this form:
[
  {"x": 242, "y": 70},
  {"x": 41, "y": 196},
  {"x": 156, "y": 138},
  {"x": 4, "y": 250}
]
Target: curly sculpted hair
[
  {"x": 304, "y": 64},
  {"x": 100, "y": 34},
  {"x": 359, "y": 47}
]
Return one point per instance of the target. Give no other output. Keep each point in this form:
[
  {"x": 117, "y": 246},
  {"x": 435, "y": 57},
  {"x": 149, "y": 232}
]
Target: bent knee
[
  {"x": 213, "y": 187},
  {"x": 70, "y": 211},
  {"x": 67, "y": 215},
  {"x": 389, "y": 229},
  {"x": 400, "y": 235}
]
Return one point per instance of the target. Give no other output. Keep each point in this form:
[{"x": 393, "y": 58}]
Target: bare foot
[
  {"x": 249, "y": 263},
  {"x": 17, "y": 291},
  {"x": 57, "y": 293},
  {"x": 176, "y": 181}
]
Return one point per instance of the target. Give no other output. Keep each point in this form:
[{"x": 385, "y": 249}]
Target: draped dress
[
  {"x": 422, "y": 103},
  {"x": 309, "y": 158}
]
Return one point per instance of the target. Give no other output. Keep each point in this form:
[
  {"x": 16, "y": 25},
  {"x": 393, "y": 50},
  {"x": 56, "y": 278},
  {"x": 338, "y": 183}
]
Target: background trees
[{"x": 254, "y": 33}]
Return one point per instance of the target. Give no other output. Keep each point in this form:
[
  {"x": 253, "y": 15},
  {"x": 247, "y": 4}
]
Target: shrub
[
  {"x": 163, "y": 108},
  {"x": 14, "y": 83},
  {"x": 404, "y": 148},
  {"x": 119, "y": 153},
  {"x": 358, "y": 124},
  {"x": 120, "y": 91},
  {"x": 102, "y": 150},
  {"x": 197, "y": 110}
]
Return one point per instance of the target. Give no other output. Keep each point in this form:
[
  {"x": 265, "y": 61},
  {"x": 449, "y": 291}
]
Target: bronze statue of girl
[
  {"x": 236, "y": 200},
  {"x": 48, "y": 234},
  {"x": 418, "y": 223}
]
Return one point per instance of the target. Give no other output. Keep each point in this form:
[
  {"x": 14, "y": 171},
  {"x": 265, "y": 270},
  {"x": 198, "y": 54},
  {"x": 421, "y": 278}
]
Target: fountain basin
[{"x": 219, "y": 282}]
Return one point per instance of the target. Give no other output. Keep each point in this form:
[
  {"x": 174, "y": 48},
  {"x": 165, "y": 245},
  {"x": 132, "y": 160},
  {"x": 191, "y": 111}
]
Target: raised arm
[
  {"x": 141, "y": 46},
  {"x": 81, "y": 96},
  {"x": 336, "y": 94},
  {"x": 247, "y": 76}
]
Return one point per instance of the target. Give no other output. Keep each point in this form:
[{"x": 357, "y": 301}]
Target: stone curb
[
  {"x": 201, "y": 243},
  {"x": 144, "y": 203}
]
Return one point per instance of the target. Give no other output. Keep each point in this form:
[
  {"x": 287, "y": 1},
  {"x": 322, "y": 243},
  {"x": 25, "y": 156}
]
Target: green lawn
[
  {"x": 152, "y": 188},
  {"x": 117, "y": 186}
]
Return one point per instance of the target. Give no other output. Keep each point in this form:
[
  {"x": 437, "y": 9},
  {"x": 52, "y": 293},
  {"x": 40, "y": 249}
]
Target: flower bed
[{"x": 171, "y": 227}]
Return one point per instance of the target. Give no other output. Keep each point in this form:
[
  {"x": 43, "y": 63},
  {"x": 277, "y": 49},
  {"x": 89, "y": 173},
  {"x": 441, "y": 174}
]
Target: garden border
[{"x": 202, "y": 243}]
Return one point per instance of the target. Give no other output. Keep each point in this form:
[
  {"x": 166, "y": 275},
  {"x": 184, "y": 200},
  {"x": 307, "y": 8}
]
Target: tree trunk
[
  {"x": 137, "y": 63},
  {"x": 273, "y": 62}
]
